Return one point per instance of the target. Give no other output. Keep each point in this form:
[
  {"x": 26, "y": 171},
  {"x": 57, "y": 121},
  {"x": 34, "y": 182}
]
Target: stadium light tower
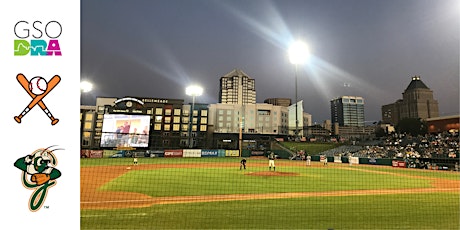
[
  {"x": 193, "y": 91},
  {"x": 85, "y": 87},
  {"x": 299, "y": 53}
]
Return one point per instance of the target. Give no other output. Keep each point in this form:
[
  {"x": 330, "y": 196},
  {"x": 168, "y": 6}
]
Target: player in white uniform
[{"x": 271, "y": 161}]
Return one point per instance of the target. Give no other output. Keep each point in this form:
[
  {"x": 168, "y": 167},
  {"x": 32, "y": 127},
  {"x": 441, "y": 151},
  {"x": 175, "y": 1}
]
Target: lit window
[
  {"x": 88, "y": 117},
  {"x": 176, "y": 127},
  {"x": 88, "y": 125},
  {"x": 159, "y": 111},
  {"x": 158, "y": 118},
  {"x": 176, "y": 119}
]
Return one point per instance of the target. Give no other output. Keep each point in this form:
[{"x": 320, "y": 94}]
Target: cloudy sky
[{"x": 367, "y": 48}]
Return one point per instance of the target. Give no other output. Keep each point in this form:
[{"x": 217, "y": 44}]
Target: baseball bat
[
  {"x": 37, "y": 98},
  {"x": 25, "y": 85}
]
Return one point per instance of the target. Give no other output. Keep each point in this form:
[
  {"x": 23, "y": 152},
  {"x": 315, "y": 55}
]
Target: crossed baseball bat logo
[{"x": 37, "y": 99}]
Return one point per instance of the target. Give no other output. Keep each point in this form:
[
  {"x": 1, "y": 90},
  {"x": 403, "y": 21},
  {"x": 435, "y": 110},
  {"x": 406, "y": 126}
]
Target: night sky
[{"x": 367, "y": 48}]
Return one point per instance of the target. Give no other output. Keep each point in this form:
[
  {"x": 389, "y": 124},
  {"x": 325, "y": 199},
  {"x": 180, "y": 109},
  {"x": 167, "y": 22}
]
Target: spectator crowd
[{"x": 418, "y": 151}]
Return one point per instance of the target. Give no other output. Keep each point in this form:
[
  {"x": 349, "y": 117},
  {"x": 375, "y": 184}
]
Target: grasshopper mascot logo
[{"x": 38, "y": 173}]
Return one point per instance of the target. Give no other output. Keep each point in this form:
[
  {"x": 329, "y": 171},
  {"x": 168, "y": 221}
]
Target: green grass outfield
[{"x": 427, "y": 210}]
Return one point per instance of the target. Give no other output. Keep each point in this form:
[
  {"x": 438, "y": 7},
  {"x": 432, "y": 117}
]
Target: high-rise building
[
  {"x": 237, "y": 87},
  {"x": 348, "y": 111},
  {"x": 304, "y": 119},
  {"x": 252, "y": 119},
  {"x": 417, "y": 102}
]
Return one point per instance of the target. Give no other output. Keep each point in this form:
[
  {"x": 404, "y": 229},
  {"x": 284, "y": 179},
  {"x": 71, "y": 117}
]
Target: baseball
[{"x": 37, "y": 85}]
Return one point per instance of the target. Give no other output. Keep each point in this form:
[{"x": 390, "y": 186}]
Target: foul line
[{"x": 234, "y": 197}]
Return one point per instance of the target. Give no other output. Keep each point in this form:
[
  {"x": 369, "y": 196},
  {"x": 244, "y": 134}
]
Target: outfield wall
[{"x": 435, "y": 163}]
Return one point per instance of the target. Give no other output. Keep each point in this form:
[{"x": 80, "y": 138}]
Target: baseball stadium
[{"x": 208, "y": 189}]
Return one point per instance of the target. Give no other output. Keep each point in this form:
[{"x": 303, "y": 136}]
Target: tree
[
  {"x": 380, "y": 132},
  {"x": 413, "y": 126}
]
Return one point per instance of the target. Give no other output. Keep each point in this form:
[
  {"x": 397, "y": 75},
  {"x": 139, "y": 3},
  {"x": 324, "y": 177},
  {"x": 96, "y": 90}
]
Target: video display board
[{"x": 125, "y": 130}]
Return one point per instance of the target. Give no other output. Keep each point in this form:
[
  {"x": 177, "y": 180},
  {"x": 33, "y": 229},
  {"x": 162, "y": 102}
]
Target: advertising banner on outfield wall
[
  {"x": 399, "y": 164},
  {"x": 156, "y": 153},
  {"x": 209, "y": 153},
  {"x": 173, "y": 153},
  {"x": 221, "y": 152},
  {"x": 257, "y": 153},
  {"x": 191, "y": 153},
  {"x": 86, "y": 153},
  {"x": 355, "y": 160},
  {"x": 337, "y": 159},
  {"x": 109, "y": 153},
  {"x": 232, "y": 153}
]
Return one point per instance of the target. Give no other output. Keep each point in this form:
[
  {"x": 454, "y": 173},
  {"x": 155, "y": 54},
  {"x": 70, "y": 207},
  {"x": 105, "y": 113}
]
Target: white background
[{"x": 35, "y": 131}]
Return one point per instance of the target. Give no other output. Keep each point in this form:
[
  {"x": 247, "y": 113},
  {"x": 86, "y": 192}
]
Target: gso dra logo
[{"x": 37, "y": 38}]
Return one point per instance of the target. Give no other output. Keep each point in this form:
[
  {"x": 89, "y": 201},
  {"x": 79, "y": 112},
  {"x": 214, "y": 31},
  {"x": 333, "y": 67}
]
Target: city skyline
[{"x": 360, "y": 48}]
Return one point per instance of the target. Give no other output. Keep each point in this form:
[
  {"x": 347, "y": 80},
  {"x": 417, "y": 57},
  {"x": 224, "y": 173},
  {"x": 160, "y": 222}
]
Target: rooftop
[{"x": 416, "y": 83}]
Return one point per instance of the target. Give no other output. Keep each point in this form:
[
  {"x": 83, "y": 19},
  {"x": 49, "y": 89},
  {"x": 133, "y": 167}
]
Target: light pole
[
  {"x": 194, "y": 91},
  {"x": 298, "y": 54},
  {"x": 85, "y": 87}
]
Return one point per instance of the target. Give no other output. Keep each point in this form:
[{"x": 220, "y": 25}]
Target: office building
[
  {"x": 237, "y": 87},
  {"x": 304, "y": 119},
  {"x": 417, "y": 102},
  {"x": 348, "y": 111}
]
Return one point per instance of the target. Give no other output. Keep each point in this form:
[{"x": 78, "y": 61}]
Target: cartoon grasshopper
[{"x": 38, "y": 173}]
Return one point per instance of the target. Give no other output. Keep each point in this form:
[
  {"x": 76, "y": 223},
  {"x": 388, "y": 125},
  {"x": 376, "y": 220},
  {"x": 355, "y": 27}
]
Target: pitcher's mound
[{"x": 271, "y": 173}]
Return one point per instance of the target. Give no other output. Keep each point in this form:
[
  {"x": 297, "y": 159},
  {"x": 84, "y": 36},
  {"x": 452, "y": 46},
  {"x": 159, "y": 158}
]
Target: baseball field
[{"x": 213, "y": 193}]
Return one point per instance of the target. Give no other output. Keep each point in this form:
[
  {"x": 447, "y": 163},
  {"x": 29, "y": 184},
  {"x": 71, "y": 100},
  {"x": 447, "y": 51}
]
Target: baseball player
[
  {"x": 135, "y": 160},
  {"x": 308, "y": 160},
  {"x": 271, "y": 161},
  {"x": 243, "y": 164}
]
